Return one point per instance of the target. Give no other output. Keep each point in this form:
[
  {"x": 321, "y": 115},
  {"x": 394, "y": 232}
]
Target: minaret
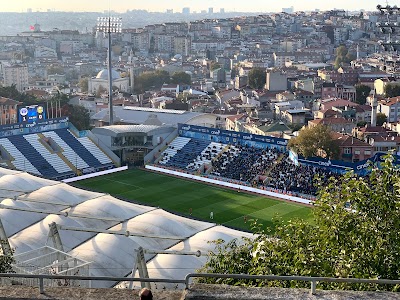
[
  {"x": 131, "y": 74},
  {"x": 374, "y": 105},
  {"x": 358, "y": 52},
  {"x": 132, "y": 78}
]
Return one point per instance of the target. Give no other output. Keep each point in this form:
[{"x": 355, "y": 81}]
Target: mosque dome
[{"x": 103, "y": 74}]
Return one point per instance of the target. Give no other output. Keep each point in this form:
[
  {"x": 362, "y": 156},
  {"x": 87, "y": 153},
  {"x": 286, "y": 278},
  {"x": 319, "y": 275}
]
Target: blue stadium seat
[
  {"x": 187, "y": 154},
  {"x": 33, "y": 156},
  {"x": 71, "y": 140}
]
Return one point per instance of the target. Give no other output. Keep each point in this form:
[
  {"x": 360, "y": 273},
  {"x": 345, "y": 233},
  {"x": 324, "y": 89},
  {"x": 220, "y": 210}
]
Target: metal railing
[
  {"x": 313, "y": 280},
  {"x": 42, "y": 277},
  {"x": 186, "y": 281}
]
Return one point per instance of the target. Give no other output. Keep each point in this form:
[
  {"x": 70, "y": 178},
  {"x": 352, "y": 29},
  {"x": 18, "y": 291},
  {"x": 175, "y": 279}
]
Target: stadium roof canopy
[
  {"x": 119, "y": 130},
  {"x": 140, "y": 115},
  {"x": 31, "y": 203}
]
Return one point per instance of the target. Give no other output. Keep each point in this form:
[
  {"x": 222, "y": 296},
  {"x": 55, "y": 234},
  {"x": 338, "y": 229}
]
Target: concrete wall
[{"x": 196, "y": 292}]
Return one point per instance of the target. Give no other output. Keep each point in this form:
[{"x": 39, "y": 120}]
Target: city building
[
  {"x": 8, "y": 111},
  {"x": 391, "y": 108},
  {"x": 276, "y": 80},
  {"x": 16, "y": 75},
  {"x": 99, "y": 84}
]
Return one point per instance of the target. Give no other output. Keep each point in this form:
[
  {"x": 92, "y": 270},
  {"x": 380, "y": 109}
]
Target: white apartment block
[
  {"x": 391, "y": 108},
  {"x": 17, "y": 75}
]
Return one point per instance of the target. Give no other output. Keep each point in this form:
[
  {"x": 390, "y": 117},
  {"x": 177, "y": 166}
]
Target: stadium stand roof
[
  {"x": 140, "y": 115},
  {"x": 116, "y": 130},
  {"x": 110, "y": 255}
]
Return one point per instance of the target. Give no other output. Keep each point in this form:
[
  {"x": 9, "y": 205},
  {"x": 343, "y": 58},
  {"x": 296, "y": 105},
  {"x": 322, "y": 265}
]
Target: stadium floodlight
[{"x": 109, "y": 25}]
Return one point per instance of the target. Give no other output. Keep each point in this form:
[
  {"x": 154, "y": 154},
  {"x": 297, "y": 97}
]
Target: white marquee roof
[{"x": 110, "y": 255}]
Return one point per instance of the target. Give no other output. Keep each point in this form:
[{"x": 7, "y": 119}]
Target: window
[
  {"x": 357, "y": 152},
  {"x": 347, "y": 151}
]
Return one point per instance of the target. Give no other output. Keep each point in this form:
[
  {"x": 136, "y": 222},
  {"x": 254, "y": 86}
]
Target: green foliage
[
  {"x": 214, "y": 66},
  {"x": 362, "y": 92},
  {"x": 54, "y": 69},
  {"x": 392, "y": 90},
  {"x": 84, "y": 84},
  {"x": 234, "y": 72},
  {"x": 343, "y": 56},
  {"x": 380, "y": 119},
  {"x": 315, "y": 141},
  {"x": 361, "y": 124},
  {"x": 355, "y": 235},
  {"x": 6, "y": 261},
  {"x": 100, "y": 90},
  {"x": 78, "y": 116},
  {"x": 181, "y": 77},
  {"x": 257, "y": 78},
  {"x": 12, "y": 93},
  {"x": 148, "y": 80}
]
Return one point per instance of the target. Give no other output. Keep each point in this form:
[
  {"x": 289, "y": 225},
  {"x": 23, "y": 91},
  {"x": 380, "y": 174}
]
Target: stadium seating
[
  {"x": 299, "y": 179},
  {"x": 67, "y": 151},
  {"x": 56, "y": 161},
  {"x": 176, "y": 144},
  {"x": 74, "y": 143},
  {"x": 187, "y": 154},
  {"x": 52, "y": 158},
  {"x": 33, "y": 155},
  {"x": 244, "y": 163},
  {"x": 206, "y": 156},
  {"x": 19, "y": 161},
  {"x": 265, "y": 168},
  {"x": 95, "y": 151}
]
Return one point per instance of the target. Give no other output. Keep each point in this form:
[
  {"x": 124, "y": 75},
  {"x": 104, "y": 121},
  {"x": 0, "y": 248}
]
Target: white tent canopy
[{"x": 109, "y": 254}]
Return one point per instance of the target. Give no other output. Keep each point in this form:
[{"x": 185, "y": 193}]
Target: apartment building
[
  {"x": 8, "y": 111},
  {"x": 16, "y": 75}
]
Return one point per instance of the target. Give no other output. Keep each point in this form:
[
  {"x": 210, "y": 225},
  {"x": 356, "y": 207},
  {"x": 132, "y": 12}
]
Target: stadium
[{"x": 58, "y": 228}]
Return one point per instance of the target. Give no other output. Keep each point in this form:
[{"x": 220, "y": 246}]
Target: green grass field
[{"x": 179, "y": 195}]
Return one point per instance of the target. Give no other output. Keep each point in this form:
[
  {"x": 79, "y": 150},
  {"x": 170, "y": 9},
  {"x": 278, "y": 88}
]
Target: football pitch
[{"x": 230, "y": 208}]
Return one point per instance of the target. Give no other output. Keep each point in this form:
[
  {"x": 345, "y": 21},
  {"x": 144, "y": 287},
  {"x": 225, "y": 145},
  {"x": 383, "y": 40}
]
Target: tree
[
  {"x": 380, "y": 119},
  {"x": 257, "y": 78},
  {"x": 78, "y": 116},
  {"x": 148, "y": 80},
  {"x": 6, "y": 261},
  {"x": 234, "y": 72},
  {"x": 214, "y": 65},
  {"x": 12, "y": 93},
  {"x": 392, "y": 90},
  {"x": 181, "y": 77},
  {"x": 152, "y": 45},
  {"x": 84, "y": 84},
  {"x": 54, "y": 69},
  {"x": 100, "y": 90},
  {"x": 315, "y": 141},
  {"x": 343, "y": 56},
  {"x": 362, "y": 92},
  {"x": 354, "y": 235}
]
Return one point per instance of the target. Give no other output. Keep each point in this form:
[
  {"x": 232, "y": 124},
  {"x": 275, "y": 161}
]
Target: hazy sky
[{"x": 176, "y": 5}]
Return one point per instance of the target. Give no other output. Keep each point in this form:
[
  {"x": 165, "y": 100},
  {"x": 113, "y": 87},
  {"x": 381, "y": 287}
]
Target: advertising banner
[
  {"x": 40, "y": 126},
  {"x": 231, "y": 137}
]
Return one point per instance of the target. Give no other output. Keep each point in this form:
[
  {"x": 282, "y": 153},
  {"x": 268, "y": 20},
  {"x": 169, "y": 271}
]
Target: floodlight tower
[{"x": 109, "y": 25}]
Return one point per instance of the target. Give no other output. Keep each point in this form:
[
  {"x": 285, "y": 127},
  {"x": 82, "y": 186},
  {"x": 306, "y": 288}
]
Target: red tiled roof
[
  {"x": 390, "y": 101},
  {"x": 373, "y": 129},
  {"x": 328, "y": 121},
  {"x": 8, "y": 101}
]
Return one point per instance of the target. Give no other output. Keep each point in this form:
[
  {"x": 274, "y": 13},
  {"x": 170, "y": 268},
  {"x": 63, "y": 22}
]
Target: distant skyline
[{"x": 177, "y": 5}]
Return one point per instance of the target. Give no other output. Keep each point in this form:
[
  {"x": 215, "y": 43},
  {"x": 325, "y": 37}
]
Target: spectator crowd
[{"x": 263, "y": 168}]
